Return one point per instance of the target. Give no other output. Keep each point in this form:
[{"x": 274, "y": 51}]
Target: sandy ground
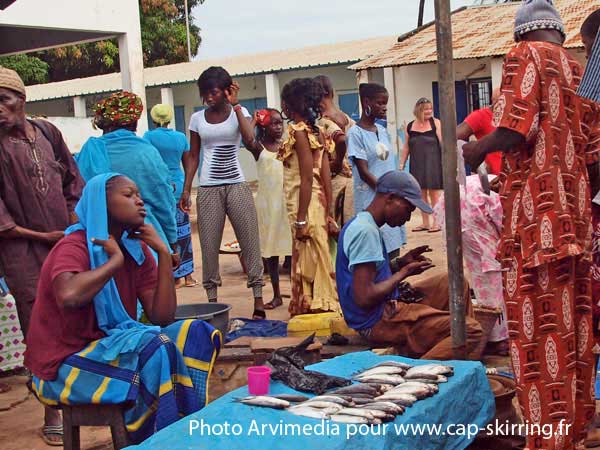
[{"x": 21, "y": 415}]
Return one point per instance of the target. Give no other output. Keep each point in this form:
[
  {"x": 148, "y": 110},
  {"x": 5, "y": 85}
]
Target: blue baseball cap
[{"x": 403, "y": 185}]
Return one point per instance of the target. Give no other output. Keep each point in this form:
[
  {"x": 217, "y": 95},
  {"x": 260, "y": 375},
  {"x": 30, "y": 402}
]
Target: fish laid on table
[
  {"x": 340, "y": 400},
  {"x": 343, "y": 418},
  {"x": 321, "y": 405},
  {"x": 393, "y": 364},
  {"x": 419, "y": 392},
  {"x": 314, "y": 413},
  {"x": 363, "y": 412},
  {"x": 431, "y": 387},
  {"x": 388, "y": 407},
  {"x": 438, "y": 380},
  {"x": 385, "y": 379},
  {"x": 295, "y": 398},
  {"x": 430, "y": 369},
  {"x": 399, "y": 398},
  {"x": 354, "y": 389},
  {"x": 383, "y": 370},
  {"x": 265, "y": 401},
  {"x": 362, "y": 400}
]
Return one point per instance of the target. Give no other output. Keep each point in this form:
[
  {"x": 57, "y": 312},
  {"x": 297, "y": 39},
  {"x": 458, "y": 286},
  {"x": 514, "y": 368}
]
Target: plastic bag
[{"x": 287, "y": 365}]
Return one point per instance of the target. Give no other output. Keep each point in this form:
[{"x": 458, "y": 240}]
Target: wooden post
[{"x": 449, "y": 161}]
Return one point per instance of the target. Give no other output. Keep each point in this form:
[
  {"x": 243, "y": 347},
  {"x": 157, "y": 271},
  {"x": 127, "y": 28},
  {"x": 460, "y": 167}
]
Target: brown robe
[{"x": 39, "y": 188}]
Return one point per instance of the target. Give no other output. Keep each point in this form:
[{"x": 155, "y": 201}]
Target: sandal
[
  {"x": 53, "y": 430},
  {"x": 259, "y": 314},
  {"x": 420, "y": 228},
  {"x": 191, "y": 283},
  {"x": 276, "y": 302},
  {"x": 434, "y": 230}
]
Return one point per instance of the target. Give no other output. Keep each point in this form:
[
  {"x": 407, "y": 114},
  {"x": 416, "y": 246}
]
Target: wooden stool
[{"x": 75, "y": 416}]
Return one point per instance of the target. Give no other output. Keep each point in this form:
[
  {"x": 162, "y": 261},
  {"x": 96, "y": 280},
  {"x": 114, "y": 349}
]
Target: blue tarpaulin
[{"x": 465, "y": 399}]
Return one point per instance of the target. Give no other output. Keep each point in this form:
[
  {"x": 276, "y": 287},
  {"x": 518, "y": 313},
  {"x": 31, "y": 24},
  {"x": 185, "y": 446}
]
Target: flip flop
[
  {"x": 420, "y": 228},
  {"x": 434, "y": 230},
  {"x": 259, "y": 314},
  {"x": 191, "y": 283},
  {"x": 52, "y": 430},
  {"x": 276, "y": 302}
]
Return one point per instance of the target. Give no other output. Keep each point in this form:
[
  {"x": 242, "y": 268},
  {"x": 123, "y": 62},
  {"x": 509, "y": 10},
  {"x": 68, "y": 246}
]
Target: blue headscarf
[{"x": 123, "y": 333}]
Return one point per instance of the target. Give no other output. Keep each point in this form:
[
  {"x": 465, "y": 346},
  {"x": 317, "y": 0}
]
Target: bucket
[
  {"x": 259, "y": 378},
  {"x": 217, "y": 314}
]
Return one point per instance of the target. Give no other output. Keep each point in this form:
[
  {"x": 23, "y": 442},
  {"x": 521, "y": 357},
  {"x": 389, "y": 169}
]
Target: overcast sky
[{"x": 234, "y": 27}]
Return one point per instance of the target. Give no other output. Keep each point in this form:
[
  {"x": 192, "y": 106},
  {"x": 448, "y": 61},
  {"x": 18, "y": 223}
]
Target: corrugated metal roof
[
  {"x": 244, "y": 65},
  {"x": 478, "y": 31}
]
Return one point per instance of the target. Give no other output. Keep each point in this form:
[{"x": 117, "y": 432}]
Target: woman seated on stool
[{"x": 84, "y": 345}]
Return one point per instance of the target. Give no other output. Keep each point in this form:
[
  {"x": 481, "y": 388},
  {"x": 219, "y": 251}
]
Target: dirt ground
[{"x": 21, "y": 415}]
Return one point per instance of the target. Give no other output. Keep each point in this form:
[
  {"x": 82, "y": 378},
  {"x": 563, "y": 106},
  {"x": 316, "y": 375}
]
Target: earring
[{"x": 368, "y": 111}]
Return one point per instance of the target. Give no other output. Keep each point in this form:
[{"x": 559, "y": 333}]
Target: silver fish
[
  {"x": 265, "y": 401},
  {"x": 306, "y": 411},
  {"x": 420, "y": 375},
  {"x": 361, "y": 400},
  {"x": 436, "y": 369},
  {"x": 420, "y": 393},
  {"x": 343, "y": 418},
  {"x": 383, "y": 370},
  {"x": 386, "y": 379},
  {"x": 388, "y": 407},
  {"x": 363, "y": 412},
  {"x": 332, "y": 398},
  {"x": 321, "y": 405},
  {"x": 439, "y": 379},
  {"x": 403, "y": 399},
  {"x": 291, "y": 397},
  {"x": 393, "y": 364},
  {"x": 358, "y": 388}
]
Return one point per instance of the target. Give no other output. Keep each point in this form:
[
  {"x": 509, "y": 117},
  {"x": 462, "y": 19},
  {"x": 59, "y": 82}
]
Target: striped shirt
[{"x": 590, "y": 85}]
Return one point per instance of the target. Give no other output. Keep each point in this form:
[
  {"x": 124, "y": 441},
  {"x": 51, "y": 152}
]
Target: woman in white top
[{"x": 218, "y": 131}]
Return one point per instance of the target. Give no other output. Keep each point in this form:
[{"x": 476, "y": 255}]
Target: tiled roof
[
  {"x": 478, "y": 31},
  {"x": 243, "y": 65}
]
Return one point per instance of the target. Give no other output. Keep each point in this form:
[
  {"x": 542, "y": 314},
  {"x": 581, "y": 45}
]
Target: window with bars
[{"x": 480, "y": 94}]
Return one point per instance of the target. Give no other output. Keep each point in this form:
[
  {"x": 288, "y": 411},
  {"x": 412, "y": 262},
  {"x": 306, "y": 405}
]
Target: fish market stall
[{"x": 450, "y": 419}]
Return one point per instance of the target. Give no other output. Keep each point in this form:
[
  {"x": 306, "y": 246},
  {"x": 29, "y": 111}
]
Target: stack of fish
[{"x": 382, "y": 393}]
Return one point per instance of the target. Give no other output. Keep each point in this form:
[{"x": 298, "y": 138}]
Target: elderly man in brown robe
[{"x": 39, "y": 188}]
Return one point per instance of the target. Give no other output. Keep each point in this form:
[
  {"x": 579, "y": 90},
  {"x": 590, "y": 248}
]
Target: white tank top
[{"x": 219, "y": 145}]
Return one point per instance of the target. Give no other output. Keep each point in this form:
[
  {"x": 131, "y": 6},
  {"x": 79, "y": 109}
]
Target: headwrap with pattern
[{"x": 120, "y": 108}]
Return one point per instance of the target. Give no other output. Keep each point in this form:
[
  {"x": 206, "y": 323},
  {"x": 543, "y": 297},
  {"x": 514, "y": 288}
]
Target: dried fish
[
  {"x": 343, "y": 418},
  {"x": 388, "y": 407},
  {"x": 383, "y": 370},
  {"x": 421, "y": 375},
  {"x": 353, "y": 389},
  {"x": 340, "y": 400},
  {"x": 295, "y": 398},
  {"x": 265, "y": 401},
  {"x": 321, "y": 405},
  {"x": 362, "y": 400}
]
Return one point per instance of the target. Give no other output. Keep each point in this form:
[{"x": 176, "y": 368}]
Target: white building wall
[{"x": 62, "y": 107}]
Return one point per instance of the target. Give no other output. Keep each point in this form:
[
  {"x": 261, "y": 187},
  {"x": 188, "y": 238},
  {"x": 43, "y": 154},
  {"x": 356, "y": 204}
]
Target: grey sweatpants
[{"x": 236, "y": 202}]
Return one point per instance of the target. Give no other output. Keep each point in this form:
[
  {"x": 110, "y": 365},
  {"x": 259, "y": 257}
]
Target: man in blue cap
[{"x": 375, "y": 303}]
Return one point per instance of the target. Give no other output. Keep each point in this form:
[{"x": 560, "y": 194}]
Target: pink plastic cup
[{"x": 258, "y": 380}]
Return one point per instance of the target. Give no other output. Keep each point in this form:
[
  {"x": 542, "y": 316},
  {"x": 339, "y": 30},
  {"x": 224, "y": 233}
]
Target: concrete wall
[{"x": 75, "y": 131}]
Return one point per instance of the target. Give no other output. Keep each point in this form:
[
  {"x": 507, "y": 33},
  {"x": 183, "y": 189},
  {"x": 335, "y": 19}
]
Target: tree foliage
[
  {"x": 31, "y": 69},
  {"x": 164, "y": 41}
]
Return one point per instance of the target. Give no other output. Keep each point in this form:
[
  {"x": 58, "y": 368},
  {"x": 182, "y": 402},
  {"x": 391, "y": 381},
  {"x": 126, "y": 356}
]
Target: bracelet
[
  {"x": 300, "y": 224},
  {"x": 237, "y": 107}
]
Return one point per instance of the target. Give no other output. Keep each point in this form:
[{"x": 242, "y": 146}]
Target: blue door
[
  {"x": 349, "y": 104},
  {"x": 462, "y": 108},
  {"x": 180, "y": 118}
]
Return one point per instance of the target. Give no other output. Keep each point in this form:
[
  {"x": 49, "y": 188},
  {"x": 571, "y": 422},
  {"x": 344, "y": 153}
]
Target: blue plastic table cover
[{"x": 466, "y": 400}]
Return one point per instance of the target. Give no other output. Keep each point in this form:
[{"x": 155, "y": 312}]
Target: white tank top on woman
[{"x": 220, "y": 145}]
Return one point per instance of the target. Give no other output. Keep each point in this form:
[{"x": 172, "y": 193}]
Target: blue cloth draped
[
  {"x": 123, "y": 152},
  {"x": 163, "y": 371}
]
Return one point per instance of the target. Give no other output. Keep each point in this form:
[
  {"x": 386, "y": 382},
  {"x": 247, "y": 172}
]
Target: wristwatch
[{"x": 300, "y": 224}]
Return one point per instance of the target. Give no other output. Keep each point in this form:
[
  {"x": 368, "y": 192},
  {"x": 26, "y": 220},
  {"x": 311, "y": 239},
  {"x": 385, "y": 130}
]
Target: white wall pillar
[
  {"x": 166, "y": 98},
  {"x": 392, "y": 118},
  {"x": 132, "y": 60},
  {"x": 362, "y": 76},
  {"x": 79, "y": 109},
  {"x": 273, "y": 91},
  {"x": 496, "y": 68}
]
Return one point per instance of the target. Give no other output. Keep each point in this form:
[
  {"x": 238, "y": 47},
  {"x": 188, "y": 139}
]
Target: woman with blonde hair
[{"x": 423, "y": 145}]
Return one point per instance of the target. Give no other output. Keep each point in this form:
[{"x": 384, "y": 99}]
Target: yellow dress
[
  {"x": 273, "y": 227},
  {"x": 313, "y": 277}
]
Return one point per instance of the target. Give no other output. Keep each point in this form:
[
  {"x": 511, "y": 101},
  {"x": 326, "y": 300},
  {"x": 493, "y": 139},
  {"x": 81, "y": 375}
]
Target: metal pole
[
  {"x": 187, "y": 31},
  {"x": 449, "y": 160}
]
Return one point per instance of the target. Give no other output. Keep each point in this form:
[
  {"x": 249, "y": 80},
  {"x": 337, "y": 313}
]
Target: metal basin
[{"x": 217, "y": 314}]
